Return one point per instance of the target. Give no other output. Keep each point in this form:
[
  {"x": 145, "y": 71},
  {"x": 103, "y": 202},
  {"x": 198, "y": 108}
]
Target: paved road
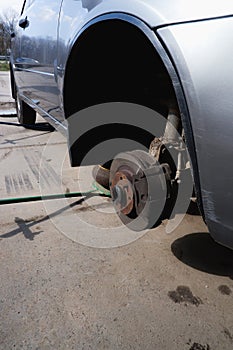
[{"x": 61, "y": 290}]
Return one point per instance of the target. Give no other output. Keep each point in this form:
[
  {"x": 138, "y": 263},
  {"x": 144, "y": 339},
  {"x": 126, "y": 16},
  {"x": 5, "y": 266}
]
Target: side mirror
[{"x": 24, "y": 23}]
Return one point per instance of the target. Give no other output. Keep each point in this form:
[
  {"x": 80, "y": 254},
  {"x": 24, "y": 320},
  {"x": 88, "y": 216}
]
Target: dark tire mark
[
  {"x": 26, "y": 181},
  {"x": 17, "y": 183},
  {"x": 183, "y": 294},
  {"x": 228, "y": 334},
  {"x": 33, "y": 166},
  {"x": 197, "y": 346},
  {"x": 8, "y": 184},
  {"x": 225, "y": 290},
  {"x": 48, "y": 174},
  {"x": 6, "y": 154}
]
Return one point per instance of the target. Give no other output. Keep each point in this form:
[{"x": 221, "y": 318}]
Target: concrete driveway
[{"x": 62, "y": 288}]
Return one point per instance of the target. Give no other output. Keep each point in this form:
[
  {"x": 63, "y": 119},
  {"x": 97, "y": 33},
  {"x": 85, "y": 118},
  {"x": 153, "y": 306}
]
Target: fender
[{"x": 207, "y": 80}]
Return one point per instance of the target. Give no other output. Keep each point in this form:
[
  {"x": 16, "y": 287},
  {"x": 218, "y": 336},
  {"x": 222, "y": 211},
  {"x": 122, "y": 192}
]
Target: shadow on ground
[
  {"x": 37, "y": 126},
  {"x": 25, "y": 225},
  {"x": 199, "y": 251}
]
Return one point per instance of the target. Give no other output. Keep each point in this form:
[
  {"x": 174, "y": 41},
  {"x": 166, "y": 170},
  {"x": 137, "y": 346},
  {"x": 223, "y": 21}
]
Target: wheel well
[{"x": 114, "y": 61}]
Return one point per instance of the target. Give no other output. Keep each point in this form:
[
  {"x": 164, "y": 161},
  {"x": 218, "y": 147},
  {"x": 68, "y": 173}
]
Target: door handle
[{"x": 24, "y": 23}]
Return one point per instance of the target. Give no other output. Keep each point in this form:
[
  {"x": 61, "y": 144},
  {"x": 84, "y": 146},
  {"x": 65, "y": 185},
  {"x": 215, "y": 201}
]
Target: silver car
[{"x": 77, "y": 62}]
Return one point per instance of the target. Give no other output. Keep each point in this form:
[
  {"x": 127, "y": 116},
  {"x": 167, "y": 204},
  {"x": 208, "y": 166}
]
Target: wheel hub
[{"x": 122, "y": 192}]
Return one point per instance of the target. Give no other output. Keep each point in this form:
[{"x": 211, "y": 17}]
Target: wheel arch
[
  {"x": 97, "y": 33},
  {"x": 81, "y": 71}
]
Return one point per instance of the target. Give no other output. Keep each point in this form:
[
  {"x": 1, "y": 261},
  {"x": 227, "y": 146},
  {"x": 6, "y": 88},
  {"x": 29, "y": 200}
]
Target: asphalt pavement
[{"x": 72, "y": 277}]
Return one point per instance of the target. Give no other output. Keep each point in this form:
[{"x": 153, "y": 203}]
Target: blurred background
[{"x": 9, "y": 13}]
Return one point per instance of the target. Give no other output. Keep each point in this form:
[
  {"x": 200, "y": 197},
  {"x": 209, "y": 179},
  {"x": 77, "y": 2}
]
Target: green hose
[
  {"x": 101, "y": 189},
  {"x": 97, "y": 189}
]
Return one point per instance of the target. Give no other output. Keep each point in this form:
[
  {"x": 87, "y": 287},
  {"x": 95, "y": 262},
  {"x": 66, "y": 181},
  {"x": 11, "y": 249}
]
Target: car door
[{"x": 36, "y": 61}]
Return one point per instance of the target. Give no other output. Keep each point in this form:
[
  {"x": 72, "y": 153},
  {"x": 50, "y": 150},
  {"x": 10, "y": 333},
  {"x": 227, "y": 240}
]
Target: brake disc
[{"x": 140, "y": 188}]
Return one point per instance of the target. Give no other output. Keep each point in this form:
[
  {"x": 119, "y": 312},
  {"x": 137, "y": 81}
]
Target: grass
[{"x": 4, "y": 66}]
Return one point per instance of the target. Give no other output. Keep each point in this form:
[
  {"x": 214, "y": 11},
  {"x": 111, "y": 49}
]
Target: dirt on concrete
[{"x": 161, "y": 291}]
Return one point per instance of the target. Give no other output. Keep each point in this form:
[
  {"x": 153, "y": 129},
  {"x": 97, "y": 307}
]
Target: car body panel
[
  {"x": 197, "y": 46},
  {"x": 153, "y": 12},
  {"x": 201, "y": 53},
  {"x": 59, "y": 24},
  {"x": 75, "y": 15},
  {"x": 35, "y": 74}
]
